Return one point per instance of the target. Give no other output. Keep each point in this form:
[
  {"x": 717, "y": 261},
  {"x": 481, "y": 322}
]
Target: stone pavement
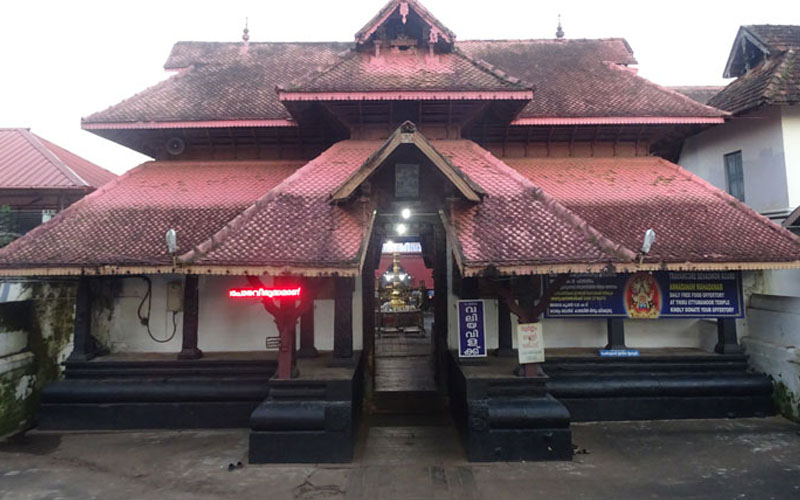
[{"x": 747, "y": 458}]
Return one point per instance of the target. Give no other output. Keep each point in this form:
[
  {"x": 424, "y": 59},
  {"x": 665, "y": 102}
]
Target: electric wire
[{"x": 145, "y": 320}]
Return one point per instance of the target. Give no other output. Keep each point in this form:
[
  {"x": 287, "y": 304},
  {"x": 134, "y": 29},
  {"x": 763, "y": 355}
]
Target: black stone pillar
[
  {"x": 504, "y": 334},
  {"x": 469, "y": 288},
  {"x": 616, "y": 333},
  {"x": 191, "y": 310},
  {"x": 307, "y": 349},
  {"x": 83, "y": 344},
  {"x": 727, "y": 342},
  {"x": 343, "y": 322}
]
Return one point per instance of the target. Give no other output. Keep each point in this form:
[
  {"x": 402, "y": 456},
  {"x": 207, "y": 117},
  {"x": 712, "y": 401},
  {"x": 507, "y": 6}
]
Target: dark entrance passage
[{"x": 404, "y": 335}]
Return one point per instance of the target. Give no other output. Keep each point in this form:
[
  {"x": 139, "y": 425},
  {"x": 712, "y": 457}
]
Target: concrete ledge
[
  {"x": 151, "y": 415},
  {"x": 775, "y": 303}
]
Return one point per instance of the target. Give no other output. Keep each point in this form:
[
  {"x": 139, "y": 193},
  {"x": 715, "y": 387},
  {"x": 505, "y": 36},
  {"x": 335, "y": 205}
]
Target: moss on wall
[
  {"x": 48, "y": 319},
  {"x": 787, "y": 402}
]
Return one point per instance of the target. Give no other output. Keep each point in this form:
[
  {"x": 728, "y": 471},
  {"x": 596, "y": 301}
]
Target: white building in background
[{"x": 755, "y": 156}]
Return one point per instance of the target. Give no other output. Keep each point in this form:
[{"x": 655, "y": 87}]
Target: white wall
[
  {"x": 790, "y": 121},
  {"x": 224, "y": 324},
  {"x": 760, "y": 138},
  {"x": 772, "y": 342}
]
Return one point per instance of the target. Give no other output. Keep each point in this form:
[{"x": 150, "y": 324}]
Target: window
[{"x": 734, "y": 176}]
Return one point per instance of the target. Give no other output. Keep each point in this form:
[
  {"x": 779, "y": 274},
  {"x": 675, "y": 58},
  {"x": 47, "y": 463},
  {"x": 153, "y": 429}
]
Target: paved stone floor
[
  {"x": 699, "y": 459},
  {"x": 404, "y": 363}
]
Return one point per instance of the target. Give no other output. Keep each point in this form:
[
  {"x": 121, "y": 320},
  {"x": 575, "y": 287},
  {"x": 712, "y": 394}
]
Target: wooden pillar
[
  {"x": 615, "y": 328},
  {"x": 504, "y": 334},
  {"x": 440, "y": 332},
  {"x": 343, "y": 321},
  {"x": 727, "y": 343},
  {"x": 307, "y": 349},
  {"x": 191, "y": 310},
  {"x": 83, "y": 345}
]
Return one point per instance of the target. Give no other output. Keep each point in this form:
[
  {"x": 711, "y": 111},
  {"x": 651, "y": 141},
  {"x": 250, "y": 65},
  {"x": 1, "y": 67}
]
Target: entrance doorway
[
  {"x": 405, "y": 335},
  {"x": 404, "y": 351}
]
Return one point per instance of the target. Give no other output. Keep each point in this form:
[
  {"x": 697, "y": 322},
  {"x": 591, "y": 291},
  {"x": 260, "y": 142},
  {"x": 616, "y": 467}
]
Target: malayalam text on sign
[{"x": 471, "y": 329}]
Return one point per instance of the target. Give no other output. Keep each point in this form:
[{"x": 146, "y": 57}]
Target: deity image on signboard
[{"x": 642, "y": 297}]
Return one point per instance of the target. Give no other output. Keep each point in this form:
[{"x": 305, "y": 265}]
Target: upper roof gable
[
  {"x": 407, "y": 133},
  {"x": 403, "y": 9},
  {"x": 757, "y": 42}
]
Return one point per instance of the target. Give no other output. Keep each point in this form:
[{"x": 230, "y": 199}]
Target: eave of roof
[
  {"x": 190, "y": 124},
  {"x": 619, "y": 120}
]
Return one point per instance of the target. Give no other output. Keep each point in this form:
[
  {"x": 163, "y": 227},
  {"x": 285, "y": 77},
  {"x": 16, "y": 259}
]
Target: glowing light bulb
[
  {"x": 405, "y": 213},
  {"x": 401, "y": 229}
]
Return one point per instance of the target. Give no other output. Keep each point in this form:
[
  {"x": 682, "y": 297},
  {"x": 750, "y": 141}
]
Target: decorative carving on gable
[{"x": 404, "y": 11}]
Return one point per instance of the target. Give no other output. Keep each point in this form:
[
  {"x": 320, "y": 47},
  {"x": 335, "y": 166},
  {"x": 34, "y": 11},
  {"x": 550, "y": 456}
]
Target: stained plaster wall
[
  {"x": 770, "y": 143},
  {"x": 759, "y": 136},
  {"x": 224, "y": 324},
  {"x": 36, "y": 323}
]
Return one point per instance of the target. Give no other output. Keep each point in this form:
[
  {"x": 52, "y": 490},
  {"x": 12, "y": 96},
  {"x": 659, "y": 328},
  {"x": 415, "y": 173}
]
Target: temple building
[{"x": 300, "y": 195}]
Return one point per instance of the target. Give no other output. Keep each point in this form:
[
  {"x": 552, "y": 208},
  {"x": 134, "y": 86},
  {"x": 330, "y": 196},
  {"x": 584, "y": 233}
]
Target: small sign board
[
  {"x": 619, "y": 353},
  {"x": 530, "y": 343},
  {"x": 471, "y": 329}
]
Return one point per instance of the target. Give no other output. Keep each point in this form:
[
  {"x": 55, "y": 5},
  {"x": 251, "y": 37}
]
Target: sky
[{"x": 62, "y": 60}]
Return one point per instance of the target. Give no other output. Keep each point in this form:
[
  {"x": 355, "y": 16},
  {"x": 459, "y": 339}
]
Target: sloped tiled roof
[
  {"x": 542, "y": 215},
  {"x": 776, "y": 37},
  {"x": 583, "y": 78},
  {"x": 29, "y": 162},
  {"x": 217, "y": 81},
  {"x": 775, "y": 81},
  {"x": 296, "y": 225},
  {"x": 623, "y": 197},
  {"x": 572, "y": 78},
  {"x": 124, "y": 223}
]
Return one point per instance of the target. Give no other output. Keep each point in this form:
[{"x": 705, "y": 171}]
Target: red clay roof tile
[
  {"x": 693, "y": 220},
  {"x": 124, "y": 223},
  {"x": 572, "y": 78}
]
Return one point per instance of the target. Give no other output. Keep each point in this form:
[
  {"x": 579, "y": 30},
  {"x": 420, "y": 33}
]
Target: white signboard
[
  {"x": 530, "y": 343},
  {"x": 402, "y": 247}
]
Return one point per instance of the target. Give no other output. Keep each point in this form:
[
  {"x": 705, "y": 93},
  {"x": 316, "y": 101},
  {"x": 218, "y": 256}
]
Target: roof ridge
[
  {"x": 341, "y": 57},
  {"x": 54, "y": 159},
  {"x": 675, "y": 93},
  {"x": 89, "y": 164},
  {"x": 592, "y": 235},
  {"x": 493, "y": 70},
  {"x": 203, "y": 248},
  {"x": 731, "y": 200}
]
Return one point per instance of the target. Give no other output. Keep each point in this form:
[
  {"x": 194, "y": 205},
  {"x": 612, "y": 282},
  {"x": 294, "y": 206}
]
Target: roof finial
[
  {"x": 246, "y": 31},
  {"x": 559, "y": 31}
]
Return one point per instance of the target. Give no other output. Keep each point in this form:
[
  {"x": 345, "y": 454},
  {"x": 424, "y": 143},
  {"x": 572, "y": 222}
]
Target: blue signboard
[
  {"x": 654, "y": 295},
  {"x": 471, "y": 329}
]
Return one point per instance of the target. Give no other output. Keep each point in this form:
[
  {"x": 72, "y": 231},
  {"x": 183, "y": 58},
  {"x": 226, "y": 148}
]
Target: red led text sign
[{"x": 264, "y": 293}]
